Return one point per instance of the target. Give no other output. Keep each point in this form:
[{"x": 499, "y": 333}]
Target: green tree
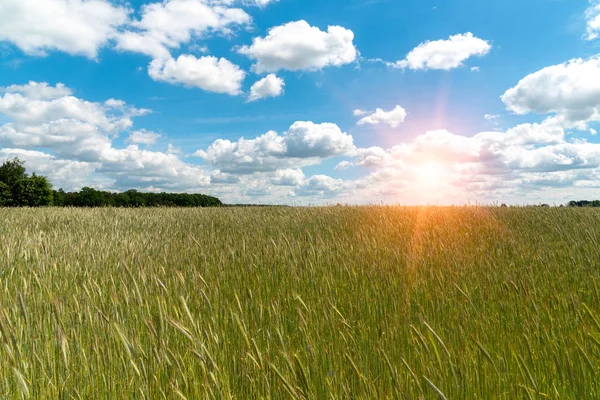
[
  {"x": 5, "y": 195},
  {"x": 12, "y": 171},
  {"x": 33, "y": 191},
  {"x": 89, "y": 197}
]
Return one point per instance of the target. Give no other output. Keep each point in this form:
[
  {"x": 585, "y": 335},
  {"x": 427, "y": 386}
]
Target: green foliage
[
  {"x": 305, "y": 303},
  {"x": 33, "y": 191},
  {"x": 19, "y": 189},
  {"x": 5, "y": 195},
  {"x": 585, "y": 203},
  {"x": 89, "y": 197},
  {"x": 12, "y": 171}
]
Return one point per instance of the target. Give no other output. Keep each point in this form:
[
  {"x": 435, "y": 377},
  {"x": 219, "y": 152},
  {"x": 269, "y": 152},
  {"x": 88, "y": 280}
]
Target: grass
[{"x": 341, "y": 302}]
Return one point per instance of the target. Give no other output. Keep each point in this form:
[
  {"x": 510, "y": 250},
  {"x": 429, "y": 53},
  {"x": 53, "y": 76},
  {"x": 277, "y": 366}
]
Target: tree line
[
  {"x": 584, "y": 203},
  {"x": 18, "y": 189}
]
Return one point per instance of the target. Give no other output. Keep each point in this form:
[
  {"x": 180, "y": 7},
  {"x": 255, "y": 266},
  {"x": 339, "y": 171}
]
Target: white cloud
[
  {"x": 75, "y": 27},
  {"x": 371, "y": 157},
  {"x": 592, "y": 16},
  {"x": 61, "y": 173},
  {"x": 550, "y": 131},
  {"x": 38, "y": 104},
  {"x": 321, "y": 185},
  {"x": 298, "y": 46},
  {"x": 80, "y": 135},
  {"x": 169, "y": 24},
  {"x": 222, "y": 177},
  {"x": 269, "y": 86},
  {"x": 114, "y": 103},
  {"x": 39, "y": 91},
  {"x": 257, "y": 189},
  {"x": 394, "y": 118},
  {"x": 143, "y": 137},
  {"x": 571, "y": 90},
  {"x": 207, "y": 73},
  {"x": 444, "y": 54},
  {"x": 359, "y": 113},
  {"x": 288, "y": 177},
  {"x": 305, "y": 143}
]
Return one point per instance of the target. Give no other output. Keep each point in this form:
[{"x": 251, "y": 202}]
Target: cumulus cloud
[
  {"x": 305, "y": 143},
  {"x": 222, "y": 177},
  {"x": 38, "y": 91},
  {"x": 143, "y": 137},
  {"x": 61, "y": 172},
  {"x": 269, "y": 86},
  {"x": 571, "y": 90},
  {"x": 297, "y": 46},
  {"x": 39, "y": 106},
  {"x": 80, "y": 135},
  {"x": 444, "y": 54},
  {"x": 207, "y": 73},
  {"x": 169, "y": 24},
  {"x": 394, "y": 118},
  {"x": 549, "y": 131},
  {"x": 321, "y": 185},
  {"x": 288, "y": 177},
  {"x": 77, "y": 27}
]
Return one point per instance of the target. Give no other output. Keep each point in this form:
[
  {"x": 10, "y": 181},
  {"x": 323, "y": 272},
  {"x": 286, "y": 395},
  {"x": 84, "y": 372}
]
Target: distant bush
[{"x": 17, "y": 189}]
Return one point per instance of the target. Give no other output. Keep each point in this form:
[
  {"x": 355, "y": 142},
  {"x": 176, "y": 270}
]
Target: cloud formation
[
  {"x": 571, "y": 90},
  {"x": 444, "y": 54},
  {"x": 304, "y": 143},
  {"x": 269, "y": 86},
  {"x": 74, "y": 27},
  {"x": 297, "y": 46},
  {"x": 207, "y": 73},
  {"x": 394, "y": 118},
  {"x": 165, "y": 26},
  {"x": 77, "y": 137}
]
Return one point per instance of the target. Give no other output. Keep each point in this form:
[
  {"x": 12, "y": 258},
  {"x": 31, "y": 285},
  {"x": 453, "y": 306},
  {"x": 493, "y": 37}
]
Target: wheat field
[{"x": 303, "y": 303}]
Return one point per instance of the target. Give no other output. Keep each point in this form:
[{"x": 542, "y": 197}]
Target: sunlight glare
[{"x": 430, "y": 174}]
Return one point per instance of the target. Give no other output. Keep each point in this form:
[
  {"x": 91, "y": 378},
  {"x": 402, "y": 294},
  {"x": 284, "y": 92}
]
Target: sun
[{"x": 430, "y": 174}]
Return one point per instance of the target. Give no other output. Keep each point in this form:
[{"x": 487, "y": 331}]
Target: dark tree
[
  {"x": 89, "y": 197},
  {"x": 12, "y": 171},
  {"x": 33, "y": 191},
  {"x": 6, "y": 199}
]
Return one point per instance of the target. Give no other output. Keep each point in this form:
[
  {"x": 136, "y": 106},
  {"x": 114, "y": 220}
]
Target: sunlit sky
[{"x": 307, "y": 101}]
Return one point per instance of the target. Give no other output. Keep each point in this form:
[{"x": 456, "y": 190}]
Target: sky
[{"x": 307, "y": 102}]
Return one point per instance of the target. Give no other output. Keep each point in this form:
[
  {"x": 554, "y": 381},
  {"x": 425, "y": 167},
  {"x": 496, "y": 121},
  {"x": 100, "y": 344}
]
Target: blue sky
[{"x": 306, "y": 101}]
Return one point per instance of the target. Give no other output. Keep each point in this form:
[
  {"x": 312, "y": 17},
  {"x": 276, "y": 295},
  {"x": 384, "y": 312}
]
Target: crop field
[{"x": 314, "y": 303}]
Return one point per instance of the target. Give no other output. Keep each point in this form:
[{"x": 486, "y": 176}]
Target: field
[{"x": 316, "y": 303}]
